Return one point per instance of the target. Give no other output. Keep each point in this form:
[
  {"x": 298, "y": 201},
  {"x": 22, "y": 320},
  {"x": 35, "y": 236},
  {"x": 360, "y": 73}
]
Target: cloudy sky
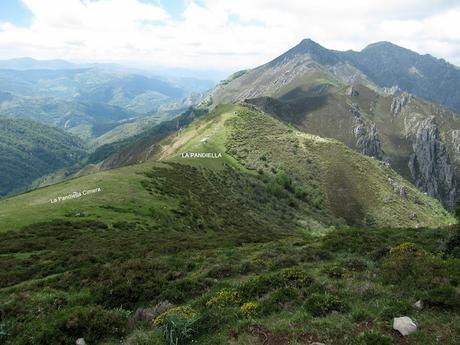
[{"x": 219, "y": 34}]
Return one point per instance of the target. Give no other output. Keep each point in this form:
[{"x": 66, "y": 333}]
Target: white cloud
[{"x": 226, "y": 34}]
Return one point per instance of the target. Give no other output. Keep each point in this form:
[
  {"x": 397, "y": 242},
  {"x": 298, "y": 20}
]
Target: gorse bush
[
  {"x": 224, "y": 297},
  {"x": 410, "y": 266},
  {"x": 177, "y": 324},
  {"x": 249, "y": 309}
]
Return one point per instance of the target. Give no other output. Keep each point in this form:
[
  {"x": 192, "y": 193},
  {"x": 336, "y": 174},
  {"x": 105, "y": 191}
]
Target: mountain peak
[
  {"x": 309, "y": 47},
  {"x": 386, "y": 46}
]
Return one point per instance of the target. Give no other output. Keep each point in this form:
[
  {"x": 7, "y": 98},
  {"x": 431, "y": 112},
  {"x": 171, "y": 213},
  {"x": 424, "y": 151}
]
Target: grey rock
[
  {"x": 149, "y": 314},
  {"x": 456, "y": 140},
  {"x": 418, "y": 305},
  {"x": 316, "y": 343},
  {"x": 404, "y": 325},
  {"x": 352, "y": 92},
  {"x": 430, "y": 164},
  {"x": 403, "y": 192},
  {"x": 367, "y": 136},
  {"x": 80, "y": 341},
  {"x": 399, "y": 102}
]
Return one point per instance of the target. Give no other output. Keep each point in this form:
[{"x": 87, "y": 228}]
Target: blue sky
[
  {"x": 219, "y": 34},
  {"x": 15, "y": 12}
]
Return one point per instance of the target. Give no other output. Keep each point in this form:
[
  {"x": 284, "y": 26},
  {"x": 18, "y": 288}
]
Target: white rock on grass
[
  {"x": 419, "y": 305},
  {"x": 404, "y": 325},
  {"x": 80, "y": 341}
]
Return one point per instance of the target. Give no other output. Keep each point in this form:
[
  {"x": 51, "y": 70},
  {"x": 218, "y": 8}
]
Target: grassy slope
[
  {"x": 337, "y": 182},
  {"x": 183, "y": 232},
  {"x": 353, "y": 187}
]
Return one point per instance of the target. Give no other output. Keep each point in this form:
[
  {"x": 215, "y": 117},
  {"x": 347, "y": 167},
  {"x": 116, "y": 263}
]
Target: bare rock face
[
  {"x": 404, "y": 325},
  {"x": 352, "y": 91},
  {"x": 367, "y": 136},
  {"x": 399, "y": 102},
  {"x": 430, "y": 164},
  {"x": 456, "y": 141}
]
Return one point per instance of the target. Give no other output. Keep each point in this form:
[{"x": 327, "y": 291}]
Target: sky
[{"x": 226, "y": 35}]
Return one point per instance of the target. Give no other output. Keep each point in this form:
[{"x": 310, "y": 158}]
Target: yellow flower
[{"x": 186, "y": 312}]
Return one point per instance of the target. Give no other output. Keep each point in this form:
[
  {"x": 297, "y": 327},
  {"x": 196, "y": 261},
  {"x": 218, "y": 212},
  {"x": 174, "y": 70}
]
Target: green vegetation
[
  {"x": 30, "y": 150},
  {"x": 64, "y": 280},
  {"x": 255, "y": 247}
]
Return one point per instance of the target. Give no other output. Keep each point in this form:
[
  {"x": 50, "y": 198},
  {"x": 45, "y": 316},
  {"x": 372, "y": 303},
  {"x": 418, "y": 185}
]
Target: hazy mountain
[
  {"x": 90, "y": 102},
  {"x": 26, "y": 63},
  {"x": 30, "y": 150},
  {"x": 324, "y": 92}
]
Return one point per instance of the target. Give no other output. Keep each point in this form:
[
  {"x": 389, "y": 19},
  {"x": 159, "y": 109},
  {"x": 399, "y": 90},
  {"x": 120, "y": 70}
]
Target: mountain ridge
[{"x": 345, "y": 102}]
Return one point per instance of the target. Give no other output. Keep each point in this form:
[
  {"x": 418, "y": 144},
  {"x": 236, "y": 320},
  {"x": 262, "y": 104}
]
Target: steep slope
[
  {"x": 320, "y": 93},
  {"x": 30, "y": 150}
]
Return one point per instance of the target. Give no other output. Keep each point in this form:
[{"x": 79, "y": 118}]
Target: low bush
[
  {"x": 409, "y": 266},
  {"x": 224, "y": 298},
  {"x": 177, "y": 324},
  {"x": 371, "y": 338},
  {"x": 93, "y": 323},
  {"x": 446, "y": 297},
  {"x": 321, "y": 304}
]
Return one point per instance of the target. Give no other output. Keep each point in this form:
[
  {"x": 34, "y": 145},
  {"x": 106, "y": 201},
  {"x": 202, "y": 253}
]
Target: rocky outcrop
[
  {"x": 404, "y": 325},
  {"x": 430, "y": 164},
  {"x": 367, "y": 136},
  {"x": 456, "y": 141},
  {"x": 399, "y": 102},
  {"x": 352, "y": 91}
]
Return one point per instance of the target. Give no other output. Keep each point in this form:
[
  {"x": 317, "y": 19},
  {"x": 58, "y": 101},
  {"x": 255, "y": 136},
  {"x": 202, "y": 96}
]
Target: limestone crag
[
  {"x": 367, "y": 136},
  {"x": 430, "y": 164}
]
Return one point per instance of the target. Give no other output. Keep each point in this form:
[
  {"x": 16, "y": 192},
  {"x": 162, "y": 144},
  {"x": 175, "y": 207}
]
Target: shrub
[
  {"x": 279, "y": 299},
  {"x": 444, "y": 296},
  {"x": 177, "y": 324},
  {"x": 371, "y": 338},
  {"x": 223, "y": 298},
  {"x": 453, "y": 244},
  {"x": 142, "y": 337},
  {"x": 295, "y": 277},
  {"x": 410, "y": 266},
  {"x": 333, "y": 270},
  {"x": 360, "y": 314},
  {"x": 321, "y": 304},
  {"x": 355, "y": 264},
  {"x": 249, "y": 309},
  {"x": 395, "y": 307},
  {"x": 90, "y": 322},
  {"x": 257, "y": 286}
]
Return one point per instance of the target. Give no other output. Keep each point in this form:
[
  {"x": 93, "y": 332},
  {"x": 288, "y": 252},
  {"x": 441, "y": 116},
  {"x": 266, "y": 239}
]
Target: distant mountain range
[
  {"x": 365, "y": 100},
  {"x": 100, "y": 104},
  {"x": 89, "y": 102}
]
